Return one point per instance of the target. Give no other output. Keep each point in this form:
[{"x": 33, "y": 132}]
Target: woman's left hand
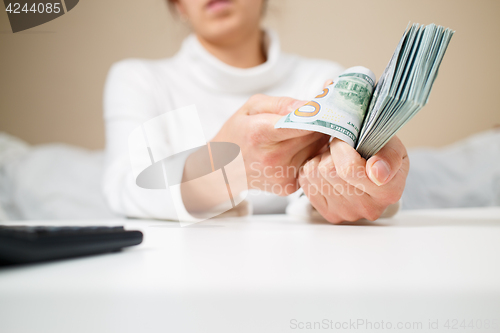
[{"x": 343, "y": 186}]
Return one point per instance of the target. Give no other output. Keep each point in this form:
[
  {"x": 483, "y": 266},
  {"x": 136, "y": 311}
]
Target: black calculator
[{"x": 27, "y": 244}]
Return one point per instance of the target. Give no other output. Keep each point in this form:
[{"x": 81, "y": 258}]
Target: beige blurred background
[{"x": 52, "y": 76}]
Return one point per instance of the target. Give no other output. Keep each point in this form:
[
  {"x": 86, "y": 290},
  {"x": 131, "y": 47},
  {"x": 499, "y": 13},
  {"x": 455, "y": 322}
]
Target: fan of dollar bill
[{"x": 366, "y": 116}]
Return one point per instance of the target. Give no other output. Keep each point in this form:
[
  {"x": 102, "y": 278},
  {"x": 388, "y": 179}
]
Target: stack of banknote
[{"x": 366, "y": 116}]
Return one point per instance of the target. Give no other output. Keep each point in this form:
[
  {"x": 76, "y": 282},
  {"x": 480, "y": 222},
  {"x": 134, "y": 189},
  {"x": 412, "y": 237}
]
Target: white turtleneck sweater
[{"x": 139, "y": 90}]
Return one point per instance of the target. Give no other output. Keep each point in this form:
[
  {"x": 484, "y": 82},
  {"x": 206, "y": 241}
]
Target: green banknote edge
[{"x": 325, "y": 124}]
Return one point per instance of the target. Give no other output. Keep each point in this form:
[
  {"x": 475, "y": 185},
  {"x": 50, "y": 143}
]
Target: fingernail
[{"x": 380, "y": 172}]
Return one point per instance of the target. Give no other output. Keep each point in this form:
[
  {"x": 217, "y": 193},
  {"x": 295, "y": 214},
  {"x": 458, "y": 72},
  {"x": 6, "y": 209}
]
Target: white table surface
[{"x": 271, "y": 274}]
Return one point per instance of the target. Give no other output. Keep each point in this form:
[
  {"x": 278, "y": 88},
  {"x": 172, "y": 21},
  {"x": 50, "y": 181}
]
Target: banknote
[
  {"x": 339, "y": 110},
  {"x": 367, "y": 117}
]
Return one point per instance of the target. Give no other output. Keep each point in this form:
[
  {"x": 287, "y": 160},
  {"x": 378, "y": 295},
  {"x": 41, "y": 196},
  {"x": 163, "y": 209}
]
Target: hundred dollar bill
[
  {"x": 339, "y": 110},
  {"x": 403, "y": 89}
]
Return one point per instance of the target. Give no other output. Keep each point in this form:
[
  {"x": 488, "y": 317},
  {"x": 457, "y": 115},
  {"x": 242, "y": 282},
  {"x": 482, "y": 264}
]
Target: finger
[
  {"x": 350, "y": 166},
  {"x": 271, "y": 109},
  {"x": 327, "y": 83},
  {"x": 304, "y": 153},
  {"x": 270, "y": 104},
  {"x": 362, "y": 204},
  {"x": 325, "y": 148},
  {"x": 393, "y": 190},
  {"x": 384, "y": 165},
  {"x": 328, "y": 171},
  {"x": 320, "y": 202},
  {"x": 338, "y": 208},
  {"x": 344, "y": 202},
  {"x": 310, "y": 186},
  {"x": 265, "y": 127}
]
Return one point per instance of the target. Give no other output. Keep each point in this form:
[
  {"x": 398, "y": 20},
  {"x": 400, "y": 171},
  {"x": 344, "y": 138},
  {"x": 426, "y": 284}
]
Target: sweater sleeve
[{"x": 129, "y": 101}]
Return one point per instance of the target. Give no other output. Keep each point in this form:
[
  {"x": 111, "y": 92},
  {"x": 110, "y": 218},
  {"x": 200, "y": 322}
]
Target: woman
[{"x": 220, "y": 68}]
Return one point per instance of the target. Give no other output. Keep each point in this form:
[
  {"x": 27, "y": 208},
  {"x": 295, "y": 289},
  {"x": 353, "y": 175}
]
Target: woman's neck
[{"x": 244, "y": 53}]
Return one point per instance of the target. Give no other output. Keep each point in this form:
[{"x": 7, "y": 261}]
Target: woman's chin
[{"x": 224, "y": 32}]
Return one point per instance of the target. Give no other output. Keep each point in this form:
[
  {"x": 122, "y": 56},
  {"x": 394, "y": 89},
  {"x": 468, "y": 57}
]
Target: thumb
[
  {"x": 268, "y": 121},
  {"x": 269, "y": 104},
  {"x": 293, "y": 105},
  {"x": 382, "y": 167}
]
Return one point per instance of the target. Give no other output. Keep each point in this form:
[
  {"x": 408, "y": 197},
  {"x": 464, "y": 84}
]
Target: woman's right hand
[{"x": 272, "y": 156}]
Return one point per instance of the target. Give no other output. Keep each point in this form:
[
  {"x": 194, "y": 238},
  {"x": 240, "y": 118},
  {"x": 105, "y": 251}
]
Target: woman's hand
[
  {"x": 343, "y": 186},
  {"x": 272, "y": 157}
]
